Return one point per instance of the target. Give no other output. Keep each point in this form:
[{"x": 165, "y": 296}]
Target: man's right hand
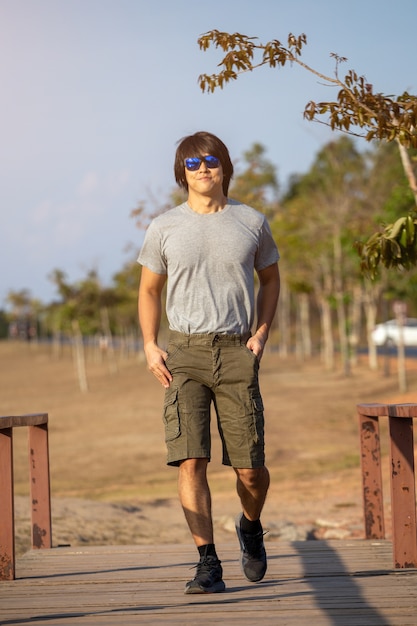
[{"x": 156, "y": 358}]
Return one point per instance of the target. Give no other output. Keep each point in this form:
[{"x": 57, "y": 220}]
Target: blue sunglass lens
[
  {"x": 193, "y": 163},
  {"x": 211, "y": 161}
]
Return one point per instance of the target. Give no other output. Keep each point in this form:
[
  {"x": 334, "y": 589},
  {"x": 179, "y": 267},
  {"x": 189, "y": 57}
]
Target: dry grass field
[{"x": 109, "y": 480}]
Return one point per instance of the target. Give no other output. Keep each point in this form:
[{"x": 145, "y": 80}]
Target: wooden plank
[
  {"x": 312, "y": 582},
  {"x": 31, "y": 419}
]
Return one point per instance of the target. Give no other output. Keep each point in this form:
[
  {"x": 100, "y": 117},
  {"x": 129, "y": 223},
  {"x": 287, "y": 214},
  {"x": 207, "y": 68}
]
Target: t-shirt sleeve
[
  {"x": 151, "y": 255},
  {"x": 267, "y": 253}
]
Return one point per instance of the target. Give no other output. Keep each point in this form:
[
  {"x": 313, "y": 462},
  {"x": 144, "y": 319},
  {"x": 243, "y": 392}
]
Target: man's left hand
[{"x": 256, "y": 345}]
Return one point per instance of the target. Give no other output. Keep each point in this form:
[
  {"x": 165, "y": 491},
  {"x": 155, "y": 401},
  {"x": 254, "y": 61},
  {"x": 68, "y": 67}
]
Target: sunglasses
[{"x": 193, "y": 163}]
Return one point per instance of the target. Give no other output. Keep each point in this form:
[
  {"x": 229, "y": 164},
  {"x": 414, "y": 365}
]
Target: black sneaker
[
  {"x": 252, "y": 553},
  {"x": 208, "y": 578}
]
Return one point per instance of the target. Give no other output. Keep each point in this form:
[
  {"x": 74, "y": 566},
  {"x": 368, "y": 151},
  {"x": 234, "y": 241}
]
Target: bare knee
[
  {"x": 253, "y": 478},
  {"x": 193, "y": 467}
]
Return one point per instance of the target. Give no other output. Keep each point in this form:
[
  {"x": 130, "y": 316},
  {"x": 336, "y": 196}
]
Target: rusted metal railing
[
  {"x": 403, "y": 485},
  {"x": 40, "y": 495}
]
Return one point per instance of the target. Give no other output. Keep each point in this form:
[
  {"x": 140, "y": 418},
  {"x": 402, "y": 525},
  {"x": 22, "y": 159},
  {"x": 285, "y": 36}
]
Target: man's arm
[
  {"x": 266, "y": 306},
  {"x": 150, "y": 308}
]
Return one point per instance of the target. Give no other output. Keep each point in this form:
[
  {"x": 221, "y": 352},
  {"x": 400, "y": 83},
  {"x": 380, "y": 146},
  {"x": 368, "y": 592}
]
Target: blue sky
[{"x": 96, "y": 93}]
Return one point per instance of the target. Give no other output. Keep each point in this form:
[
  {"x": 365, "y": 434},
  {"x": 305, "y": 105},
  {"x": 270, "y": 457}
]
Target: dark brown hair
[{"x": 196, "y": 145}]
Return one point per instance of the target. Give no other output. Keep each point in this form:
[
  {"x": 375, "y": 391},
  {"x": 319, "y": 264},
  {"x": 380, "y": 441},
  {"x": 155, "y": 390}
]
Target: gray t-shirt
[{"x": 209, "y": 260}]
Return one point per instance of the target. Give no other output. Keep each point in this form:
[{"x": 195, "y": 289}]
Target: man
[{"x": 207, "y": 250}]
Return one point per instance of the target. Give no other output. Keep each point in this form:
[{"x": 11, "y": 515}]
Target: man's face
[{"x": 205, "y": 180}]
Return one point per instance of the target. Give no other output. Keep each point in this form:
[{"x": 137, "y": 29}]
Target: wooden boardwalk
[{"x": 334, "y": 583}]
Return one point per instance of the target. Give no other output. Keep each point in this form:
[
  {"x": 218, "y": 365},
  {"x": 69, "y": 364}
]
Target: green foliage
[
  {"x": 394, "y": 243},
  {"x": 394, "y": 247},
  {"x": 344, "y": 195},
  {"x": 87, "y": 300},
  {"x": 388, "y": 186},
  {"x": 321, "y": 213}
]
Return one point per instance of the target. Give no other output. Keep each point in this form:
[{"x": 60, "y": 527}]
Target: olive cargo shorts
[{"x": 220, "y": 370}]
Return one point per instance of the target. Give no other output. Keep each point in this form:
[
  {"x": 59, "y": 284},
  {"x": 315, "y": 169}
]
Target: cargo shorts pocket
[
  {"x": 258, "y": 419},
  {"x": 171, "y": 417}
]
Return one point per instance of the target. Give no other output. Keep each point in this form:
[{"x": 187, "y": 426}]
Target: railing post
[
  {"x": 403, "y": 488},
  {"x": 37, "y": 424},
  {"x": 402, "y": 480},
  {"x": 40, "y": 494},
  {"x": 371, "y": 469},
  {"x": 7, "y": 542}
]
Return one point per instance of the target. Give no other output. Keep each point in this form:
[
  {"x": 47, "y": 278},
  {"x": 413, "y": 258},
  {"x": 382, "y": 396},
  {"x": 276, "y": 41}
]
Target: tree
[
  {"x": 322, "y": 211},
  {"x": 142, "y": 216},
  {"x": 357, "y": 111},
  {"x": 23, "y": 315},
  {"x": 257, "y": 185},
  {"x": 4, "y": 324},
  {"x": 125, "y": 292},
  {"x": 20, "y": 302}
]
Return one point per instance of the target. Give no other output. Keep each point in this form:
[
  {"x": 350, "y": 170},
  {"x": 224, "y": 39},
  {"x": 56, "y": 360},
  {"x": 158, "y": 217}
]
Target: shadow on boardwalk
[
  {"x": 320, "y": 583},
  {"x": 337, "y": 590}
]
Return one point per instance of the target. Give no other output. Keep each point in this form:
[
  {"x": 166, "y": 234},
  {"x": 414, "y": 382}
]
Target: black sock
[
  {"x": 207, "y": 550},
  {"x": 250, "y": 527}
]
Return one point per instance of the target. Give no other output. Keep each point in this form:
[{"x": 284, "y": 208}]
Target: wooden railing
[
  {"x": 403, "y": 494},
  {"x": 40, "y": 495},
  {"x": 402, "y": 478}
]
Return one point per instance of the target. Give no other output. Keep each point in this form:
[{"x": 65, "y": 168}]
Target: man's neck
[{"x": 206, "y": 204}]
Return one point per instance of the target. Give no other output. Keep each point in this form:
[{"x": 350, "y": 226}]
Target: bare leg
[
  {"x": 252, "y": 487},
  {"x": 195, "y": 499}
]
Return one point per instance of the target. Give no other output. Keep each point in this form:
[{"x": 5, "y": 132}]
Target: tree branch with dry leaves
[{"x": 357, "y": 111}]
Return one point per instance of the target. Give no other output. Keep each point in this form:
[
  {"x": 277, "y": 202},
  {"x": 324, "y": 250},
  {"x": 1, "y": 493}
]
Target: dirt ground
[{"x": 110, "y": 484}]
